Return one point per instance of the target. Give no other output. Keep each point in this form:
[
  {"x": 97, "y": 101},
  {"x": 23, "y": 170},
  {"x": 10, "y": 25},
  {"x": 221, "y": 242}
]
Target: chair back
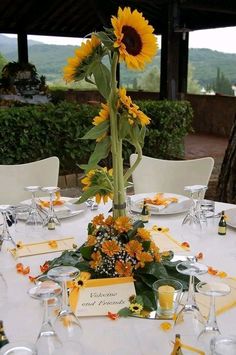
[
  {"x": 158, "y": 175},
  {"x": 13, "y": 178}
]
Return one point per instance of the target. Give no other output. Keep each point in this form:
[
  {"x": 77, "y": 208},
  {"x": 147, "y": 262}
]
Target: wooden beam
[{"x": 22, "y": 48}]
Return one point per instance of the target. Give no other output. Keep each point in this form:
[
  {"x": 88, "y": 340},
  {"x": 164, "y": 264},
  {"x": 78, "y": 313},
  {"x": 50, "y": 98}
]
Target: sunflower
[
  {"x": 84, "y": 56},
  {"x": 102, "y": 116},
  {"x": 135, "y": 40},
  {"x": 132, "y": 109},
  {"x": 136, "y": 308},
  {"x": 102, "y": 179}
]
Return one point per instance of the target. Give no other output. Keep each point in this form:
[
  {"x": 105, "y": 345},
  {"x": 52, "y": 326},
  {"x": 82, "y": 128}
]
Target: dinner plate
[
  {"x": 67, "y": 210},
  {"x": 231, "y": 217},
  {"x": 183, "y": 204}
]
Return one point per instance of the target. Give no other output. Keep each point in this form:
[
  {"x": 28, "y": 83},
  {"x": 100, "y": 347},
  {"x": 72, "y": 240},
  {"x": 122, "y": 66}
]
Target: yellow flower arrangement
[{"x": 131, "y": 40}]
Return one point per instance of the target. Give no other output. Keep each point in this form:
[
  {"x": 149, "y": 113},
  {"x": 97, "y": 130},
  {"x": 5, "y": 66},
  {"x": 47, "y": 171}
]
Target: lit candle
[{"x": 166, "y": 297}]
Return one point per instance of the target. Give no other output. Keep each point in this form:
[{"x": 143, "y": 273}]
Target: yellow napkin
[{"x": 43, "y": 247}]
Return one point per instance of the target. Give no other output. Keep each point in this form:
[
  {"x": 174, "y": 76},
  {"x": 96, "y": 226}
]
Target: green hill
[{"x": 50, "y": 60}]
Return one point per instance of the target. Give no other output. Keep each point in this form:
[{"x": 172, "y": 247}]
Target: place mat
[
  {"x": 165, "y": 242},
  {"x": 43, "y": 247},
  {"x": 223, "y": 304}
]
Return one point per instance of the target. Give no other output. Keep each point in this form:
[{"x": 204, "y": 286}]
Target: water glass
[
  {"x": 222, "y": 345},
  {"x": 18, "y": 348},
  {"x": 168, "y": 295}
]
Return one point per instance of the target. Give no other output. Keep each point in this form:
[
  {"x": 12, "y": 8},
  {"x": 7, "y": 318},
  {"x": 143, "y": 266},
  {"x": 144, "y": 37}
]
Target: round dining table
[{"x": 22, "y": 316}]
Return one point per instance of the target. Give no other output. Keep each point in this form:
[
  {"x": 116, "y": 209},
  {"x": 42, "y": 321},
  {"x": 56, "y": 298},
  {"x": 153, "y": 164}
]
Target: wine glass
[
  {"x": 3, "y": 290},
  {"x": 5, "y": 234},
  {"x": 189, "y": 321},
  {"x": 221, "y": 345},
  {"x": 66, "y": 324},
  {"x": 34, "y": 220},
  {"x": 48, "y": 341},
  {"x": 211, "y": 329},
  {"x": 51, "y": 220}
]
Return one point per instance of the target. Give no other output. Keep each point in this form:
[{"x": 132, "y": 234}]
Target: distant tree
[
  {"x": 3, "y": 62},
  {"x": 222, "y": 84},
  {"x": 150, "y": 81},
  {"x": 193, "y": 84}
]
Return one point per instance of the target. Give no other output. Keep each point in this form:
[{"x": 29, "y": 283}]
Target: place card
[
  {"x": 43, "y": 247},
  {"x": 100, "y": 296}
]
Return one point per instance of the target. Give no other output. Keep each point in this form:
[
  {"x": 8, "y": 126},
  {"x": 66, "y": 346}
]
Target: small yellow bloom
[{"x": 136, "y": 308}]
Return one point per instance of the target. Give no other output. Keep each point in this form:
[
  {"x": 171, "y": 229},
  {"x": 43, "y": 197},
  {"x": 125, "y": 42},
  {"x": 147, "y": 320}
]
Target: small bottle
[
  {"x": 177, "y": 346},
  {"x": 145, "y": 213},
  {"x": 3, "y": 338},
  {"x": 51, "y": 224},
  {"x": 222, "y": 224}
]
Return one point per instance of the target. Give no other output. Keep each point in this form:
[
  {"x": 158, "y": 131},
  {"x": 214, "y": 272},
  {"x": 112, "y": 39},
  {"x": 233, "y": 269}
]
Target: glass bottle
[
  {"x": 145, "y": 212},
  {"x": 177, "y": 346},
  {"x": 3, "y": 338},
  {"x": 222, "y": 224}
]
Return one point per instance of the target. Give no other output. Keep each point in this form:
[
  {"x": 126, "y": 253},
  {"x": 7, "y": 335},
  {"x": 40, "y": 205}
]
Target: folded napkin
[
  {"x": 160, "y": 201},
  {"x": 43, "y": 247}
]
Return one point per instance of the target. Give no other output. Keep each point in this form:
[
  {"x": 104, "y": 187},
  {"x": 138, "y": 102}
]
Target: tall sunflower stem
[
  {"x": 116, "y": 145},
  {"x": 136, "y": 163}
]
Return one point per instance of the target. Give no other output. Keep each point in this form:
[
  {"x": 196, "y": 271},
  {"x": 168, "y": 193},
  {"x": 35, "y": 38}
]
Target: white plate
[
  {"x": 183, "y": 204},
  {"x": 231, "y": 217},
  {"x": 67, "y": 210}
]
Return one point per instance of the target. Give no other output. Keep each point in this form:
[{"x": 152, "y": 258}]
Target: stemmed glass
[
  {"x": 51, "y": 220},
  {"x": 34, "y": 220},
  {"x": 66, "y": 324},
  {"x": 47, "y": 342},
  {"x": 211, "y": 329},
  {"x": 5, "y": 234},
  {"x": 189, "y": 321}
]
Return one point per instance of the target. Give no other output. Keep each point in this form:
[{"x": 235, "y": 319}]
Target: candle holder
[{"x": 168, "y": 295}]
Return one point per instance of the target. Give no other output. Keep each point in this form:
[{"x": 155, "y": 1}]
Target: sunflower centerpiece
[{"x": 130, "y": 40}]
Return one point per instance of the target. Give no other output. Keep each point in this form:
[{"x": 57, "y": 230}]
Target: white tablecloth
[{"x": 22, "y": 315}]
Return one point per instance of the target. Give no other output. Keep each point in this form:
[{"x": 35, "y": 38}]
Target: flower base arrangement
[{"x": 115, "y": 246}]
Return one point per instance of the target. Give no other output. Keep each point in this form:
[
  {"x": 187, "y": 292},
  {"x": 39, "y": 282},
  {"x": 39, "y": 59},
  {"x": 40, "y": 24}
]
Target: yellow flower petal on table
[
  {"x": 53, "y": 244},
  {"x": 165, "y": 326},
  {"x": 135, "y": 40}
]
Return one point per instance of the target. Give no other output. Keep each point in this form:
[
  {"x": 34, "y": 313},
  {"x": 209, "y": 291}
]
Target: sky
[{"x": 220, "y": 39}]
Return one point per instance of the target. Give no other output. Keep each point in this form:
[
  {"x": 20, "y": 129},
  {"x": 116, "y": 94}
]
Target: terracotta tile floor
[{"x": 202, "y": 145}]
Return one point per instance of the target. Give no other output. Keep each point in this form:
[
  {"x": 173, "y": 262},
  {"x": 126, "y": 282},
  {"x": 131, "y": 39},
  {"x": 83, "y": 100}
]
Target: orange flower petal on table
[
  {"x": 112, "y": 316},
  {"x": 165, "y": 326},
  {"x": 185, "y": 245},
  {"x": 44, "y": 267},
  {"x": 32, "y": 278},
  {"x": 53, "y": 244},
  {"x": 212, "y": 271},
  {"x": 26, "y": 270},
  {"x": 19, "y": 267},
  {"x": 199, "y": 256}
]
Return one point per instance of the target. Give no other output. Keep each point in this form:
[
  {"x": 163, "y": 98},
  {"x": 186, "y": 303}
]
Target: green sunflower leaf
[
  {"x": 92, "y": 191},
  {"x": 102, "y": 78},
  {"x": 105, "y": 39},
  {"x": 100, "y": 152},
  {"x": 97, "y": 131},
  {"x": 124, "y": 312},
  {"x": 86, "y": 252}
]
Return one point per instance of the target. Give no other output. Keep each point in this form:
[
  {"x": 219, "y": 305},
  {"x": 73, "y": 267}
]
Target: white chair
[
  {"x": 158, "y": 175},
  {"x": 13, "y": 178}
]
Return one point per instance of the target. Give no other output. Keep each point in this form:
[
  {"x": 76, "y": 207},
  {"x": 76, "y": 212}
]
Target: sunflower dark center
[
  {"x": 135, "y": 308},
  {"x": 132, "y": 40},
  {"x": 80, "y": 283}
]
